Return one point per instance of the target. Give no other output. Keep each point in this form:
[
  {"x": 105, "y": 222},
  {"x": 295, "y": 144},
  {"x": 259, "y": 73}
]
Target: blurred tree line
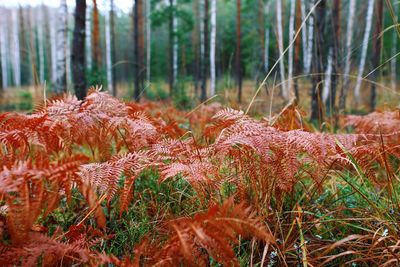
[{"x": 209, "y": 44}]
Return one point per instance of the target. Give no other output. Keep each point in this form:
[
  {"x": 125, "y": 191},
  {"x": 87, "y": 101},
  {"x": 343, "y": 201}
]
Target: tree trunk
[
  {"x": 109, "y": 63},
  {"x": 78, "y": 50},
  {"x": 196, "y": 46},
  {"x": 61, "y": 80},
  {"x": 16, "y": 48},
  {"x": 376, "y": 55},
  {"x": 40, "y": 38},
  {"x": 171, "y": 48},
  {"x": 148, "y": 41},
  {"x": 335, "y": 46},
  {"x": 291, "y": 48},
  {"x": 88, "y": 30},
  {"x": 53, "y": 47},
  {"x": 393, "y": 63},
  {"x": 25, "y": 70},
  {"x": 139, "y": 46},
  {"x": 203, "y": 95},
  {"x": 4, "y": 50},
  {"x": 368, "y": 25},
  {"x": 349, "y": 38},
  {"x": 238, "y": 50},
  {"x": 113, "y": 48},
  {"x": 318, "y": 64},
  {"x": 175, "y": 43},
  {"x": 297, "y": 65},
  {"x": 96, "y": 50},
  {"x": 213, "y": 45},
  {"x": 279, "y": 37}
]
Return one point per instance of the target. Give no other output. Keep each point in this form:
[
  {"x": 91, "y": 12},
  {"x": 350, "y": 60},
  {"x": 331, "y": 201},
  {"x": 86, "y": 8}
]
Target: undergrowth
[{"x": 100, "y": 182}]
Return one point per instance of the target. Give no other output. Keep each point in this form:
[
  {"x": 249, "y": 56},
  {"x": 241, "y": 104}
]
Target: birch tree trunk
[
  {"x": 290, "y": 55},
  {"x": 310, "y": 42},
  {"x": 88, "y": 30},
  {"x": 266, "y": 42},
  {"x": 393, "y": 63},
  {"x": 304, "y": 35},
  {"x": 196, "y": 46},
  {"x": 108, "y": 48},
  {"x": 53, "y": 46},
  {"x": 349, "y": 39},
  {"x": 4, "y": 49},
  {"x": 61, "y": 80},
  {"x": 40, "y": 38},
  {"x": 203, "y": 95},
  {"x": 78, "y": 53},
  {"x": 367, "y": 31},
  {"x": 284, "y": 87},
  {"x": 213, "y": 45},
  {"x": 376, "y": 55},
  {"x": 16, "y": 48},
  {"x": 68, "y": 54},
  {"x": 171, "y": 48},
  {"x": 328, "y": 77}
]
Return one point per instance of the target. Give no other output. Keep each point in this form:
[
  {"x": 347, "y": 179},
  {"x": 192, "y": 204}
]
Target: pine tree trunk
[
  {"x": 148, "y": 41},
  {"x": 297, "y": 65},
  {"x": 335, "y": 46},
  {"x": 349, "y": 38},
  {"x": 138, "y": 34},
  {"x": 393, "y": 63},
  {"x": 96, "y": 50},
  {"x": 279, "y": 37},
  {"x": 291, "y": 48},
  {"x": 25, "y": 70},
  {"x": 203, "y": 95},
  {"x": 367, "y": 31},
  {"x": 238, "y": 50},
  {"x": 61, "y": 80},
  {"x": 213, "y": 45},
  {"x": 107, "y": 28},
  {"x": 318, "y": 64},
  {"x": 175, "y": 44},
  {"x": 377, "y": 47},
  {"x": 171, "y": 48},
  {"x": 78, "y": 50}
]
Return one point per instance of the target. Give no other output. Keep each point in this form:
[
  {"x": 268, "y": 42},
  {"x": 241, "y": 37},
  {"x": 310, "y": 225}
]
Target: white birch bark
[
  {"x": 53, "y": 45},
  {"x": 285, "y": 92},
  {"x": 16, "y": 48},
  {"x": 393, "y": 63},
  {"x": 88, "y": 36},
  {"x": 310, "y": 32},
  {"x": 304, "y": 35},
  {"x": 328, "y": 77},
  {"x": 349, "y": 40},
  {"x": 368, "y": 25},
  {"x": 108, "y": 47},
  {"x": 290, "y": 52},
  {"x": 40, "y": 25},
  {"x": 213, "y": 45},
  {"x": 61, "y": 47},
  {"x": 175, "y": 43},
  {"x": 148, "y": 40},
  {"x": 4, "y": 49},
  {"x": 68, "y": 50},
  {"x": 201, "y": 17}
]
